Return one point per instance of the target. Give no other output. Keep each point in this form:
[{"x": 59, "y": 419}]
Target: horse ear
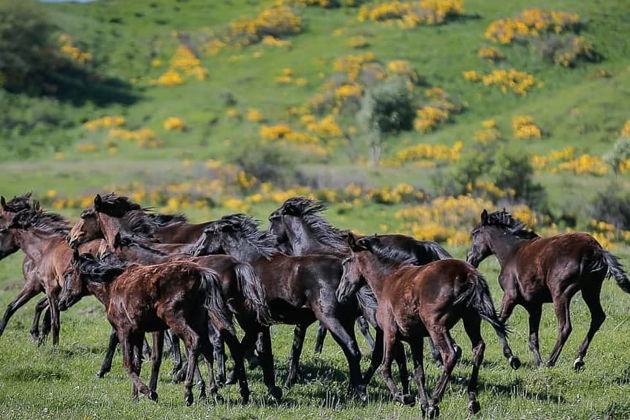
[
  {"x": 98, "y": 201},
  {"x": 484, "y": 217},
  {"x": 3, "y": 202},
  {"x": 37, "y": 206}
]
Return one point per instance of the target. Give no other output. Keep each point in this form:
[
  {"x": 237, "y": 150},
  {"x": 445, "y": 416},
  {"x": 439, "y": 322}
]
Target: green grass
[{"x": 46, "y": 382}]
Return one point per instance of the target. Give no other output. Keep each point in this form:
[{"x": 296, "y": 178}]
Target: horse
[
  {"x": 419, "y": 301},
  {"x": 180, "y": 296},
  {"x": 299, "y": 290},
  {"x": 301, "y": 230},
  {"x": 32, "y": 286},
  {"x": 239, "y": 283},
  {"x": 41, "y": 236},
  {"x": 537, "y": 270}
]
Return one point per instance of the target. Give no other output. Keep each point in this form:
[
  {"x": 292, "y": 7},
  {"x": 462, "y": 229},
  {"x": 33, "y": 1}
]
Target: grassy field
[
  {"x": 43, "y": 149},
  {"x": 46, "y": 382}
]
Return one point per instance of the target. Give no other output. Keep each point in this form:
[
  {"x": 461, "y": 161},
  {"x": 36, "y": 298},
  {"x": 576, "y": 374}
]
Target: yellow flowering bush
[
  {"x": 87, "y": 147},
  {"x": 144, "y": 137},
  {"x": 183, "y": 63},
  {"x": 174, "y": 124},
  {"x": 426, "y": 155},
  {"x": 532, "y": 22},
  {"x": 271, "y": 41},
  {"x": 585, "y": 164},
  {"x": 428, "y": 117},
  {"x": 515, "y": 81},
  {"x": 409, "y": 14},
  {"x": 358, "y": 41},
  {"x": 254, "y": 115},
  {"x": 490, "y": 54},
  {"x": 71, "y": 51},
  {"x": 525, "y": 128},
  {"x": 104, "y": 122},
  {"x": 625, "y": 131}
]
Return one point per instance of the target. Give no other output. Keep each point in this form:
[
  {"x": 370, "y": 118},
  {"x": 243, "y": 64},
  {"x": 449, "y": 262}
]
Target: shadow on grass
[{"x": 31, "y": 374}]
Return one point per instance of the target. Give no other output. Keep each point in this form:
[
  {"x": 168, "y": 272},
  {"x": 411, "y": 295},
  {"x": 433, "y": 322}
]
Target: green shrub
[{"x": 619, "y": 153}]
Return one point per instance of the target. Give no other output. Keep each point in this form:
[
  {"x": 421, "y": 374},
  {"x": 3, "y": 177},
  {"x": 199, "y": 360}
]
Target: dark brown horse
[
  {"x": 239, "y": 283},
  {"x": 176, "y": 295},
  {"x": 425, "y": 301},
  {"x": 301, "y": 230},
  {"x": 299, "y": 290},
  {"x": 537, "y": 270}
]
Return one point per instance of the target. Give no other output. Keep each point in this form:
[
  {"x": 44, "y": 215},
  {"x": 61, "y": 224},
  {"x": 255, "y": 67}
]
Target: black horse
[{"x": 299, "y": 290}]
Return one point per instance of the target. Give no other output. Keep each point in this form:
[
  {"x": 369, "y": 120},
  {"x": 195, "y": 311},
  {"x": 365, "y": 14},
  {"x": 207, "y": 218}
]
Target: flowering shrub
[
  {"x": 174, "y": 124},
  {"x": 288, "y": 78},
  {"x": 184, "y": 62},
  {"x": 271, "y": 24},
  {"x": 358, "y": 41},
  {"x": 254, "y": 115},
  {"x": 412, "y": 14},
  {"x": 86, "y": 147},
  {"x": 104, "y": 122},
  {"x": 550, "y": 32},
  {"x": 328, "y": 4},
  {"x": 490, "y": 54},
  {"x": 567, "y": 160},
  {"x": 517, "y": 82},
  {"x": 625, "y": 131},
  {"x": 72, "y": 52},
  {"x": 144, "y": 137},
  {"x": 426, "y": 155},
  {"x": 525, "y": 128},
  {"x": 488, "y": 134}
]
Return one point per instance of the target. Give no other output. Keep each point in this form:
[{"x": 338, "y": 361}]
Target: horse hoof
[
  {"x": 221, "y": 380},
  {"x": 578, "y": 365},
  {"x": 189, "y": 400},
  {"x": 100, "y": 374},
  {"x": 276, "y": 393},
  {"x": 474, "y": 407},
  {"x": 515, "y": 362},
  {"x": 409, "y": 400},
  {"x": 218, "y": 399},
  {"x": 433, "y": 412},
  {"x": 458, "y": 351},
  {"x": 153, "y": 396}
]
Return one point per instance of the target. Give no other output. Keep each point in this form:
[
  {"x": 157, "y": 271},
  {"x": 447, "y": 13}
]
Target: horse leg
[
  {"x": 535, "y": 312},
  {"x": 207, "y": 353},
  {"x": 591, "y": 298},
  {"x": 294, "y": 357},
  {"x": 343, "y": 333},
  {"x": 41, "y": 305},
  {"x": 507, "y": 306},
  {"x": 218, "y": 348},
  {"x": 561, "y": 305},
  {"x": 239, "y": 365},
  {"x": 444, "y": 343},
  {"x": 401, "y": 361},
  {"x": 435, "y": 353},
  {"x": 24, "y": 296},
  {"x": 266, "y": 357},
  {"x": 377, "y": 357},
  {"x": 176, "y": 355},
  {"x": 472, "y": 325},
  {"x": 417, "y": 351},
  {"x": 192, "y": 341},
  {"x": 45, "y": 327},
  {"x": 156, "y": 360},
  {"x": 389, "y": 348},
  {"x": 321, "y": 336},
  {"x": 53, "y": 306},
  {"x": 128, "y": 346},
  {"x": 111, "y": 349},
  {"x": 365, "y": 330}
]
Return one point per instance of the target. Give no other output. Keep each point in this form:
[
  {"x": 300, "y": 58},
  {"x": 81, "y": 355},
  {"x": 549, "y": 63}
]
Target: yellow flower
[{"x": 174, "y": 124}]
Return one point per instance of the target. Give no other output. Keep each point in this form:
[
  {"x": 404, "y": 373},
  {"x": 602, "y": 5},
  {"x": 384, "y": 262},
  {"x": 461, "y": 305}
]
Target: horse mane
[
  {"x": 390, "y": 255},
  {"x": 100, "y": 270},
  {"x": 116, "y": 205},
  {"x": 146, "y": 223},
  {"x": 140, "y": 242},
  {"x": 246, "y": 228},
  {"x": 511, "y": 224},
  {"x": 44, "y": 221},
  {"x": 309, "y": 211},
  {"x": 19, "y": 203}
]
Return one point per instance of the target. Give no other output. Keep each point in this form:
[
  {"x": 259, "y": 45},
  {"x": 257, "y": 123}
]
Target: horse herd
[{"x": 160, "y": 274}]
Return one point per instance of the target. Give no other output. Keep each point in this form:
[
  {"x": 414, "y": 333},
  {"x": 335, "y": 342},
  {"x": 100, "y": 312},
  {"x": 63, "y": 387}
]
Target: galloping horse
[
  {"x": 299, "y": 290},
  {"x": 537, "y": 270},
  {"x": 426, "y": 301}
]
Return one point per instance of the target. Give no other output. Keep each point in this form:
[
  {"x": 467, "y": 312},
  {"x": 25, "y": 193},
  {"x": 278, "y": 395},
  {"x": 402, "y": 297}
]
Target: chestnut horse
[
  {"x": 42, "y": 237},
  {"x": 180, "y": 295},
  {"x": 416, "y": 302},
  {"x": 299, "y": 290},
  {"x": 537, "y": 270},
  {"x": 239, "y": 283}
]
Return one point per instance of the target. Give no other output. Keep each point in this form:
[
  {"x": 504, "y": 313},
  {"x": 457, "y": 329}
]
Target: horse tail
[
  {"x": 252, "y": 289},
  {"x": 616, "y": 270},
  {"x": 367, "y": 303},
  {"x": 214, "y": 302},
  {"x": 477, "y": 296}
]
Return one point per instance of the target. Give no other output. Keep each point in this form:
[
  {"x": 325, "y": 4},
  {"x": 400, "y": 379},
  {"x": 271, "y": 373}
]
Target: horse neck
[
  {"x": 374, "y": 271},
  {"x": 101, "y": 291},
  {"x": 34, "y": 243},
  {"x": 109, "y": 226},
  {"x": 504, "y": 245},
  {"x": 245, "y": 253},
  {"x": 304, "y": 242}
]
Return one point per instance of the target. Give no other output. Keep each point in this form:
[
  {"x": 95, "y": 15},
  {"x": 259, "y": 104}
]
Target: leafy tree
[
  {"x": 385, "y": 108},
  {"x": 613, "y": 206}
]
